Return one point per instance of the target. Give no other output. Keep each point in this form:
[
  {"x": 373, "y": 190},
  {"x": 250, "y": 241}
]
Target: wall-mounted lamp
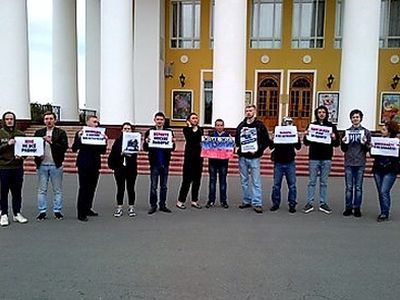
[
  {"x": 395, "y": 81},
  {"x": 182, "y": 80},
  {"x": 330, "y": 80},
  {"x": 169, "y": 70}
]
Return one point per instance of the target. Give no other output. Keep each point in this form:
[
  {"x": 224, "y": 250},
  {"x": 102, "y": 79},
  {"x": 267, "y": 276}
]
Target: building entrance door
[
  {"x": 300, "y": 99},
  {"x": 268, "y": 90}
]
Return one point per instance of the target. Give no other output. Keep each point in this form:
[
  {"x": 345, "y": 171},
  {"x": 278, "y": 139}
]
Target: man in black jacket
[
  {"x": 320, "y": 161},
  {"x": 251, "y": 140},
  {"x": 49, "y": 166},
  {"x": 88, "y": 162},
  {"x": 159, "y": 159}
]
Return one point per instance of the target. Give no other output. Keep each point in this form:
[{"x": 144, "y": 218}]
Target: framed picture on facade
[
  {"x": 181, "y": 104},
  {"x": 248, "y": 98},
  {"x": 331, "y": 101},
  {"x": 390, "y": 107}
]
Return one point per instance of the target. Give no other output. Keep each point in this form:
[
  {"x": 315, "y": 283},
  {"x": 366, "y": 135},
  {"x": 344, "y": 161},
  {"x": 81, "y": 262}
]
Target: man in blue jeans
[
  {"x": 320, "y": 162},
  {"x": 355, "y": 145},
  {"x": 251, "y": 140},
  {"x": 283, "y": 156},
  {"x": 159, "y": 159},
  {"x": 49, "y": 166}
]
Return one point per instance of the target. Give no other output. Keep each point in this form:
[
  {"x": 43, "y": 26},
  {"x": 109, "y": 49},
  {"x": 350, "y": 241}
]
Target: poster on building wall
[
  {"x": 390, "y": 107},
  {"x": 160, "y": 139},
  {"x": 285, "y": 135},
  {"x": 28, "y": 146},
  {"x": 181, "y": 104},
  {"x": 93, "y": 136},
  {"x": 319, "y": 134},
  {"x": 248, "y": 140},
  {"x": 385, "y": 146},
  {"x": 248, "y": 99},
  {"x": 217, "y": 147},
  {"x": 331, "y": 101},
  {"x": 131, "y": 142}
]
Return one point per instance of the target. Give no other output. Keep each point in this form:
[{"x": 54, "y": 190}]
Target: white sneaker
[
  {"x": 20, "y": 218},
  {"x": 4, "y": 220}
]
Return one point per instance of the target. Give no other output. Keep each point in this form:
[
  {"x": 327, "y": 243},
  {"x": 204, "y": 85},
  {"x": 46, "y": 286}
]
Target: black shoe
[
  {"x": 209, "y": 204},
  {"x": 83, "y": 219},
  {"x": 165, "y": 209},
  {"x": 357, "y": 213},
  {"x": 58, "y": 216},
  {"x": 92, "y": 213},
  {"x": 258, "y": 209},
  {"x": 244, "y": 205},
  {"x": 274, "y": 208},
  {"x": 41, "y": 217},
  {"x": 152, "y": 210},
  {"x": 348, "y": 212},
  {"x": 382, "y": 218},
  {"x": 292, "y": 209},
  {"x": 224, "y": 205}
]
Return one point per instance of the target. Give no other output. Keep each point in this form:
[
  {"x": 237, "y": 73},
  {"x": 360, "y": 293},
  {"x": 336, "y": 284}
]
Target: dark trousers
[
  {"x": 125, "y": 177},
  {"x": 11, "y": 180},
  {"x": 192, "y": 170},
  {"x": 217, "y": 167},
  {"x": 155, "y": 173},
  {"x": 88, "y": 179}
]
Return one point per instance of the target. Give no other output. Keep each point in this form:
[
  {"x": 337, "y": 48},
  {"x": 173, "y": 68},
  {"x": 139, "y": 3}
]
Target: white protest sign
[
  {"x": 131, "y": 142},
  {"x": 354, "y": 136},
  {"x": 286, "y": 135},
  {"x": 385, "y": 146},
  {"x": 160, "y": 139},
  {"x": 319, "y": 134},
  {"x": 248, "y": 140},
  {"x": 93, "y": 136},
  {"x": 28, "y": 146}
]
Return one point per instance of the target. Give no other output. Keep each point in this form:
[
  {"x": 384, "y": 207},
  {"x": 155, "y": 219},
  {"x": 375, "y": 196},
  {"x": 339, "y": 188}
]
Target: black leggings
[{"x": 124, "y": 176}]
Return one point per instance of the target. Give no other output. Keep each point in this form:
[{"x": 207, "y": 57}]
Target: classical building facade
[{"x": 213, "y": 57}]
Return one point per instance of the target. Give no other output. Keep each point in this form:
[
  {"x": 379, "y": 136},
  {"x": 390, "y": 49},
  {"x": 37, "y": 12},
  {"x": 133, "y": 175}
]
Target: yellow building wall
[{"x": 324, "y": 61}]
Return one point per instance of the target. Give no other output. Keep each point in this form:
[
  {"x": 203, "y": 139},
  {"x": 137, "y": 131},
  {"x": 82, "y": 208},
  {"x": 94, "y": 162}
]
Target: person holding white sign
[
  {"x": 50, "y": 165},
  {"x": 320, "y": 160},
  {"x": 385, "y": 170},
  {"x": 124, "y": 165},
  {"x": 11, "y": 170},
  {"x": 283, "y": 155},
  {"x": 251, "y": 140},
  {"x": 355, "y": 145},
  {"x": 88, "y": 162},
  {"x": 159, "y": 159}
]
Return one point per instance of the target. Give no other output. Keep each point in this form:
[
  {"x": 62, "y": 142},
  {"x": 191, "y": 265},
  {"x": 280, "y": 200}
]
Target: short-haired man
[
  {"x": 251, "y": 132},
  {"x": 355, "y": 146},
  {"x": 88, "y": 162},
  {"x": 320, "y": 162},
  {"x": 159, "y": 159},
  {"x": 50, "y": 165},
  {"x": 218, "y": 167},
  {"x": 11, "y": 170}
]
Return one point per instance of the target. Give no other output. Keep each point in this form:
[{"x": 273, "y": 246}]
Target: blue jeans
[
  {"x": 55, "y": 175},
  {"x": 217, "y": 167},
  {"x": 384, "y": 183},
  {"x": 354, "y": 176},
  {"x": 323, "y": 168},
  {"x": 289, "y": 171},
  {"x": 247, "y": 167},
  {"x": 155, "y": 173}
]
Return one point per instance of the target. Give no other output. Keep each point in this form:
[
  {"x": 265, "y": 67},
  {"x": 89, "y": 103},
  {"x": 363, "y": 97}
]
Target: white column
[
  {"x": 149, "y": 66},
  {"x": 359, "y": 66},
  {"x": 65, "y": 79},
  {"x": 92, "y": 54},
  {"x": 229, "y": 61},
  {"x": 14, "y": 77},
  {"x": 116, "y": 76}
]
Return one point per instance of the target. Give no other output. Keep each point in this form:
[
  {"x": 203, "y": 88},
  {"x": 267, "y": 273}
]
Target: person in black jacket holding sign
[
  {"x": 320, "y": 161},
  {"x": 125, "y": 172}
]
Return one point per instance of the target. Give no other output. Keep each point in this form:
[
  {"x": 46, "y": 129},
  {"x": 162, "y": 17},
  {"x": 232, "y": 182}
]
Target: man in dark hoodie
[
  {"x": 320, "y": 161},
  {"x": 253, "y": 135},
  {"x": 11, "y": 171}
]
